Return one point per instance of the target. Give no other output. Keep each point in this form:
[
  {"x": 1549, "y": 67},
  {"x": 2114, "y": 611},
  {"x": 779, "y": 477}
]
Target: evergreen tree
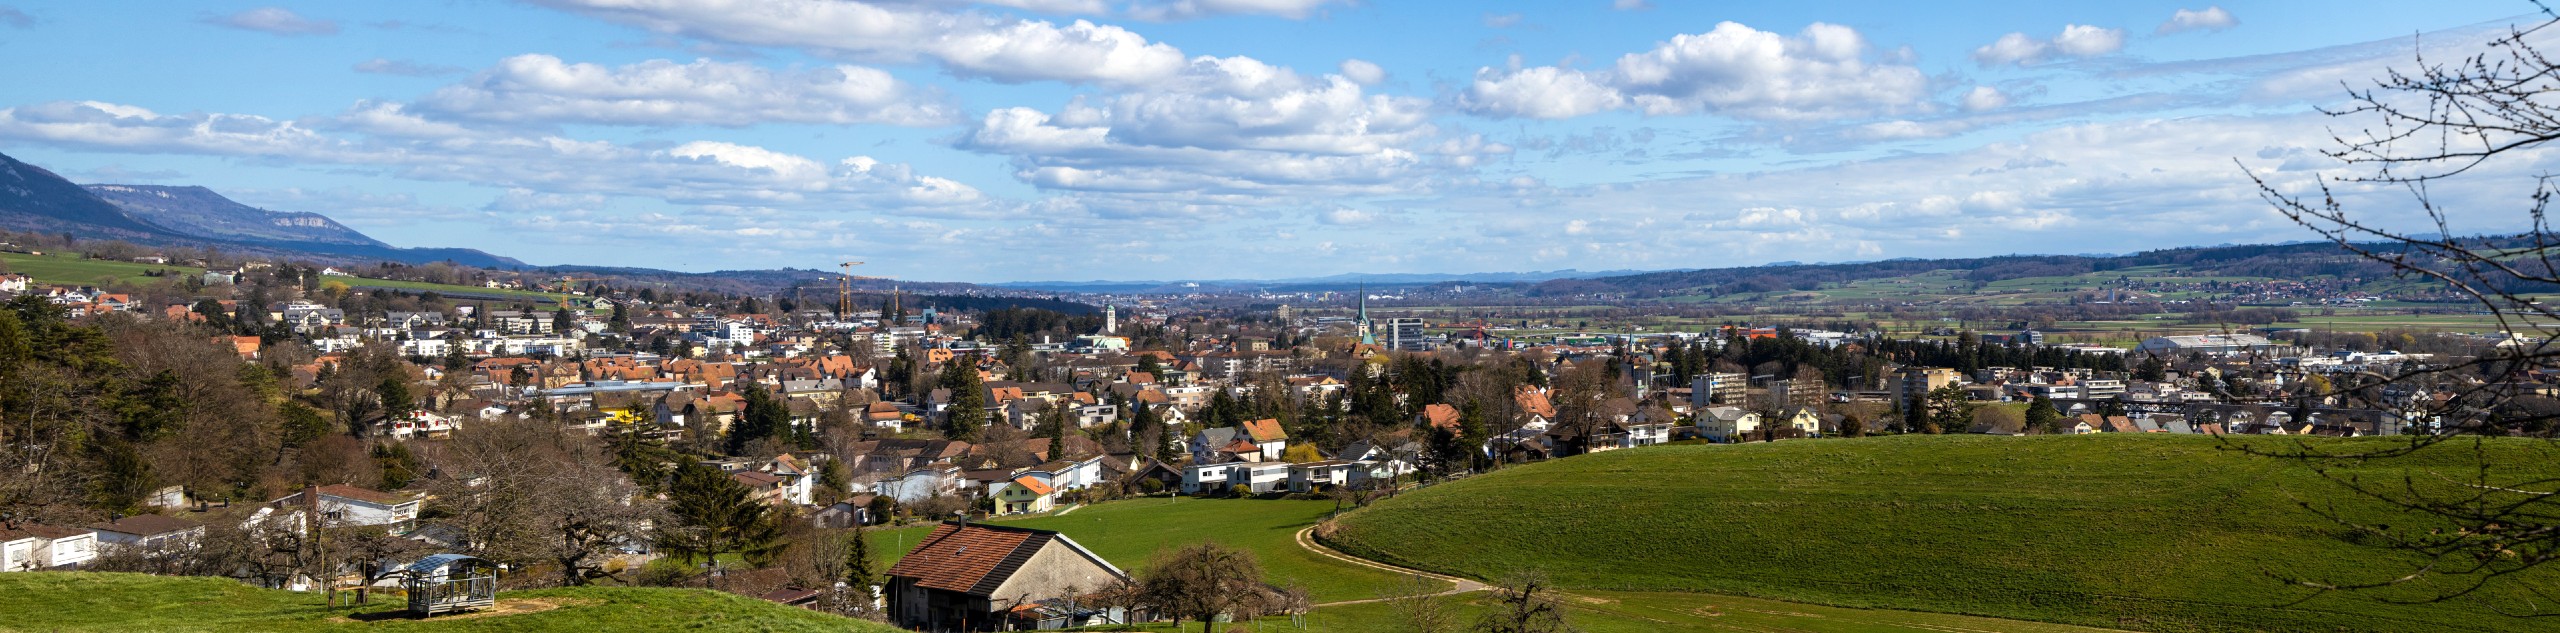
[
  {"x": 861, "y": 572},
  {"x": 762, "y": 416},
  {"x": 1947, "y": 410},
  {"x": 967, "y": 415},
  {"x": 714, "y": 515},
  {"x": 2152, "y": 369},
  {"x": 394, "y": 392},
  {"x": 1054, "y": 424},
  {"x": 1224, "y": 411},
  {"x": 2041, "y": 416},
  {"x": 399, "y": 466}
]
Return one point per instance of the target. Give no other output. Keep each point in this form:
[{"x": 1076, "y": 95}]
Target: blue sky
[{"x": 1160, "y": 139}]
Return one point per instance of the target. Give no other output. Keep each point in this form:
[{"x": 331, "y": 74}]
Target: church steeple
[{"x": 1367, "y": 336}]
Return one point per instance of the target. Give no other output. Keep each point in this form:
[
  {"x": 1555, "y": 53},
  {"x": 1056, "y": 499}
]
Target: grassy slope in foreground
[
  {"x": 52, "y": 601},
  {"x": 2144, "y": 532}
]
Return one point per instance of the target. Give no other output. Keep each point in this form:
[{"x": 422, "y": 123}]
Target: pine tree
[
  {"x": 1054, "y": 425},
  {"x": 967, "y": 414},
  {"x": 761, "y": 416},
  {"x": 2041, "y": 416},
  {"x": 2152, "y": 369},
  {"x": 394, "y": 391},
  {"x": 714, "y": 515},
  {"x": 861, "y": 573}
]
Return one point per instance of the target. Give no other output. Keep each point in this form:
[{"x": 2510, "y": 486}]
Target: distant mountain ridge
[
  {"x": 197, "y": 210},
  {"x": 35, "y": 199}
]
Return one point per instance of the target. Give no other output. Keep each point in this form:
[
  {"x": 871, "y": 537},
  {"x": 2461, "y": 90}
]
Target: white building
[
  {"x": 30, "y": 547},
  {"x": 1723, "y": 423},
  {"x": 2214, "y": 345},
  {"x": 1260, "y": 477},
  {"x": 344, "y": 505},
  {"x": 149, "y": 532}
]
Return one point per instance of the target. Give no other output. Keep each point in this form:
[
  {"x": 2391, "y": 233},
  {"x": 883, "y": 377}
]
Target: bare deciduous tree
[
  {"x": 1205, "y": 580},
  {"x": 525, "y": 493},
  {"x": 2447, "y": 128},
  {"x": 1418, "y": 606},
  {"x": 1525, "y": 603}
]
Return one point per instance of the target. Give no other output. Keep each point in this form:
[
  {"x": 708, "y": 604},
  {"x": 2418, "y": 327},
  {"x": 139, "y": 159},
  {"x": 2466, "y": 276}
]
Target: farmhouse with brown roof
[{"x": 969, "y": 577}]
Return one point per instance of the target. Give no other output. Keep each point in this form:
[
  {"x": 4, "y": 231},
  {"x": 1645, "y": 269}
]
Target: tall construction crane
[
  {"x": 844, "y": 291},
  {"x": 566, "y": 281}
]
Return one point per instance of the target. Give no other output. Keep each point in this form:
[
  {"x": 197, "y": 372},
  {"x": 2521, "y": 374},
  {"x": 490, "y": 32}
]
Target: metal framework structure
[{"x": 450, "y": 583}]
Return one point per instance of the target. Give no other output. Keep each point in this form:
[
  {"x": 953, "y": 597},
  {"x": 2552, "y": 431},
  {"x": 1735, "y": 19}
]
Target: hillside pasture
[{"x": 2164, "y": 533}]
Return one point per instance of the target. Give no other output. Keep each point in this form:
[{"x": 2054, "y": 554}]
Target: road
[{"x": 1307, "y": 540}]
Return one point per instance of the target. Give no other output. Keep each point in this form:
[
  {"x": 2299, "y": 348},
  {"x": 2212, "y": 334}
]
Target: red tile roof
[
  {"x": 958, "y": 558},
  {"x": 1265, "y": 430},
  {"x": 756, "y": 480},
  {"x": 1441, "y": 416},
  {"x": 1034, "y": 485}
]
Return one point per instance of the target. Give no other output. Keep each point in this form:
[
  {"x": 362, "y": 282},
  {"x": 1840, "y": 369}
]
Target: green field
[
  {"x": 1663, "y": 612},
  {"x": 122, "y": 603},
  {"x": 70, "y": 269},
  {"x": 2139, "y": 532},
  {"x": 1128, "y": 532}
]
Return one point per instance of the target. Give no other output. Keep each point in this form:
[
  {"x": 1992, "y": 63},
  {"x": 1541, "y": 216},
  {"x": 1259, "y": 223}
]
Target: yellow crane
[
  {"x": 844, "y": 290},
  {"x": 566, "y": 282}
]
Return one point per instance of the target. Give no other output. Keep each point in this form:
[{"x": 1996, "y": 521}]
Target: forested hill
[{"x": 2311, "y": 259}]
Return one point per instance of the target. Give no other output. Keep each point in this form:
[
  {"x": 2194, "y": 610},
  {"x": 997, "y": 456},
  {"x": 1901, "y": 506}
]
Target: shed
[{"x": 450, "y": 583}]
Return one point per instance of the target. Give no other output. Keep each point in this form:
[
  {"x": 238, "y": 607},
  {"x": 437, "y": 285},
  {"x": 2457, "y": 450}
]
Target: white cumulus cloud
[
  {"x": 542, "y": 88},
  {"x": 1363, "y": 71},
  {"x": 2209, "y": 19},
  {"x": 965, "y": 43},
  {"x": 1189, "y": 9},
  {"x": 1982, "y": 98},
  {"x": 1824, "y": 71},
  {"x": 2075, "y": 40}
]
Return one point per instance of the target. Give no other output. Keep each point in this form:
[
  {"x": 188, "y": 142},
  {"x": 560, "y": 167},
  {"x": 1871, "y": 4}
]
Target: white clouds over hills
[
  {"x": 925, "y": 130},
  {"x": 2075, "y": 41},
  {"x": 1825, "y": 71},
  {"x": 542, "y": 88},
  {"x": 965, "y": 43}
]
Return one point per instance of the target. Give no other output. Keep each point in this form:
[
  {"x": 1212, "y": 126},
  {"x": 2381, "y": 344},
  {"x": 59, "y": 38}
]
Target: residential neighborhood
[{"x": 1279, "y": 316}]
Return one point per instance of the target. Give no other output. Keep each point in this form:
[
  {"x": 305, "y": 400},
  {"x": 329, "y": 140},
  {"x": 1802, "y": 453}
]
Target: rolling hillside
[
  {"x": 200, "y": 211},
  {"x": 60, "y": 601},
  {"x": 33, "y": 199},
  {"x": 2138, "y": 532}
]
